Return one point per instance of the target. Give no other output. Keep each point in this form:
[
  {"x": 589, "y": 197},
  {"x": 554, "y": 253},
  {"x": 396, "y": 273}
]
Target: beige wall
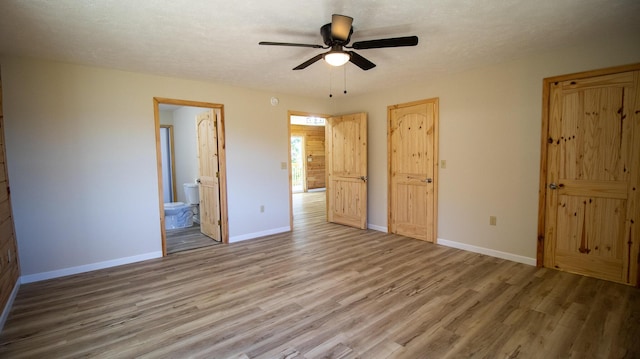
[
  {"x": 82, "y": 161},
  {"x": 490, "y": 120}
]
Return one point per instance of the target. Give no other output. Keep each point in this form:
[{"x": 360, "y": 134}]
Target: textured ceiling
[{"x": 217, "y": 40}]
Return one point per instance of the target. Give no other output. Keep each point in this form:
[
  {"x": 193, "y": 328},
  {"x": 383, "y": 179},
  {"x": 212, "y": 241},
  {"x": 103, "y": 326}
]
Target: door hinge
[
  {"x": 217, "y": 174},
  {"x": 218, "y": 222}
]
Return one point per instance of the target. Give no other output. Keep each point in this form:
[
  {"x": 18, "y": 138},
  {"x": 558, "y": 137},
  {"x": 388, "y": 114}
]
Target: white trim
[
  {"x": 244, "y": 237},
  {"x": 88, "y": 267},
  {"x": 377, "y": 228},
  {"x": 7, "y": 307},
  {"x": 488, "y": 251},
  {"x": 317, "y": 190}
]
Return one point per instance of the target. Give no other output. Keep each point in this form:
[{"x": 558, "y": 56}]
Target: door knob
[
  {"x": 198, "y": 180},
  {"x": 428, "y": 180},
  {"x": 552, "y": 185},
  {"x": 364, "y": 178}
]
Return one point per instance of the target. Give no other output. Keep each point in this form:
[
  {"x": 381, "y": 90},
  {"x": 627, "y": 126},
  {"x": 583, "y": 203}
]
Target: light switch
[
  {"x": 443, "y": 163},
  {"x": 493, "y": 220},
  {"x": 283, "y": 165}
]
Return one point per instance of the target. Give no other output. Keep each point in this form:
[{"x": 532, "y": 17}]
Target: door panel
[
  {"x": 412, "y": 217},
  {"x": 412, "y": 169},
  {"x": 592, "y": 172},
  {"x": 346, "y": 155},
  {"x": 209, "y": 175}
]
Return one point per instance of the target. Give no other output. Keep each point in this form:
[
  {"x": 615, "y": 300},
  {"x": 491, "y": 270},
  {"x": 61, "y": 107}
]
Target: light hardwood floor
[
  {"x": 324, "y": 291},
  {"x": 184, "y": 239}
]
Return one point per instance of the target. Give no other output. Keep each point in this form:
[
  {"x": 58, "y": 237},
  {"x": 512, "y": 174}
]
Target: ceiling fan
[{"x": 336, "y": 36}]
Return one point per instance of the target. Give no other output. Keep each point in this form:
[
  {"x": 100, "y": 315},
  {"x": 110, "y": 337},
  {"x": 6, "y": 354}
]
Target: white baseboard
[
  {"x": 490, "y": 252},
  {"x": 377, "y": 228},
  {"x": 7, "y": 307},
  {"x": 88, "y": 267},
  {"x": 244, "y": 237}
]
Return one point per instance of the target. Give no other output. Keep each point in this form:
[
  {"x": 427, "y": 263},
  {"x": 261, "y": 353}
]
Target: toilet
[
  {"x": 192, "y": 192},
  {"x": 182, "y": 215}
]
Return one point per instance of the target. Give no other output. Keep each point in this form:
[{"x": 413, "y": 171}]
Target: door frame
[
  {"x": 436, "y": 159},
  {"x": 289, "y": 114},
  {"x": 224, "y": 219},
  {"x": 546, "y": 101}
]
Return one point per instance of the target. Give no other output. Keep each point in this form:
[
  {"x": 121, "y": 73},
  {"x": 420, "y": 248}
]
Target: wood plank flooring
[
  {"x": 324, "y": 291},
  {"x": 184, "y": 239}
]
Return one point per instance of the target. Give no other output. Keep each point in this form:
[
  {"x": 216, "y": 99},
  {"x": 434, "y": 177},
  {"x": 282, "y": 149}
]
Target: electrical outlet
[
  {"x": 493, "y": 220},
  {"x": 262, "y": 208}
]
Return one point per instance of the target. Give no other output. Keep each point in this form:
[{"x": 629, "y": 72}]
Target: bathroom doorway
[
  {"x": 180, "y": 217},
  {"x": 306, "y": 162}
]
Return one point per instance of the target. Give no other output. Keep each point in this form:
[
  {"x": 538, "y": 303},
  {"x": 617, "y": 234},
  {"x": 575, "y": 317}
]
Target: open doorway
[
  {"x": 298, "y": 169},
  {"x": 199, "y": 199},
  {"x": 307, "y": 176}
]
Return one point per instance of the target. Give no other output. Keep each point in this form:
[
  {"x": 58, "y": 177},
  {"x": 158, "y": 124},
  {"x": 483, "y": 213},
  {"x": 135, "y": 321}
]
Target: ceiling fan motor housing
[{"x": 329, "y": 40}]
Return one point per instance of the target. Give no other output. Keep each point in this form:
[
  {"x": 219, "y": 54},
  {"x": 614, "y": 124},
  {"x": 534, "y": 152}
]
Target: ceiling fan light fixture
[{"x": 337, "y": 58}]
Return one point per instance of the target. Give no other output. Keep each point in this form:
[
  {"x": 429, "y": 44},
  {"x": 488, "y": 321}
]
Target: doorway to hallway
[{"x": 306, "y": 161}]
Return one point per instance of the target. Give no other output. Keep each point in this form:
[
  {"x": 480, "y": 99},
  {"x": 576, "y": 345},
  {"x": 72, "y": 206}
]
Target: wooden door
[
  {"x": 412, "y": 147},
  {"x": 9, "y": 267},
  {"x": 592, "y": 169},
  {"x": 346, "y": 161},
  {"x": 209, "y": 175}
]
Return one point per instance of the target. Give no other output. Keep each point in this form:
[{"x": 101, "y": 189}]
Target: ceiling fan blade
[
  {"x": 360, "y": 61},
  {"x": 341, "y": 26},
  {"x": 290, "y": 44},
  {"x": 390, "y": 42},
  {"x": 308, "y": 62}
]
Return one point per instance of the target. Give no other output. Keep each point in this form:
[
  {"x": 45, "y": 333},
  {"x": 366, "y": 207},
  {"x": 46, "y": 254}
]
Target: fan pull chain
[
  {"x": 330, "y": 77},
  {"x": 345, "y": 79}
]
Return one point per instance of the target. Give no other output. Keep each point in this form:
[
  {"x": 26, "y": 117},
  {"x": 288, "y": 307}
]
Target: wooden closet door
[
  {"x": 412, "y": 147},
  {"x": 593, "y": 161},
  {"x": 346, "y": 156}
]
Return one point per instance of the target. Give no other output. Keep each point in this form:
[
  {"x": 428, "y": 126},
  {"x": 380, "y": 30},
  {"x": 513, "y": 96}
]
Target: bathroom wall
[
  {"x": 185, "y": 137},
  {"x": 166, "y": 117},
  {"x": 165, "y": 152}
]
